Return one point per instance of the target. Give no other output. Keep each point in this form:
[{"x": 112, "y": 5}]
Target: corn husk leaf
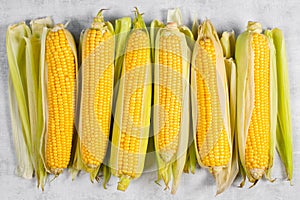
[
  {"x": 33, "y": 49},
  {"x": 124, "y": 180},
  {"x": 284, "y": 143},
  {"x": 154, "y": 27},
  {"x": 76, "y": 163},
  {"x": 195, "y": 28},
  {"x": 15, "y": 45},
  {"x": 174, "y": 15},
  {"x": 122, "y": 30},
  {"x": 191, "y": 159},
  {"x": 175, "y": 166},
  {"x": 224, "y": 175},
  {"x": 274, "y": 105},
  {"x": 245, "y": 96},
  {"x": 228, "y": 45}
]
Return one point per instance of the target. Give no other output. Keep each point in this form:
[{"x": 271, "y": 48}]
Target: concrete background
[{"x": 225, "y": 15}]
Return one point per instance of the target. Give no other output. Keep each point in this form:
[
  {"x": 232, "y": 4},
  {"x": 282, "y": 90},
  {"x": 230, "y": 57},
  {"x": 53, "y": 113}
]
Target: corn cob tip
[
  {"x": 167, "y": 155},
  {"x": 138, "y": 22},
  {"x": 98, "y": 22},
  {"x": 254, "y": 27},
  {"x": 56, "y": 171},
  {"x": 58, "y": 27},
  {"x": 99, "y": 17},
  {"x": 172, "y": 25},
  {"x": 215, "y": 170},
  {"x": 257, "y": 174},
  {"x": 123, "y": 183}
]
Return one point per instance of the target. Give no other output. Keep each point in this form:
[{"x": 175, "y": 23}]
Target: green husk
[
  {"x": 225, "y": 175},
  {"x": 274, "y": 105},
  {"x": 245, "y": 97},
  {"x": 191, "y": 159},
  {"x": 33, "y": 66},
  {"x": 78, "y": 164},
  {"x": 122, "y": 30},
  {"x": 173, "y": 168},
  {"x": 195, "y": 28},
  {"x": 154, "y": 27},
  {"x": 124, "y": 180},
  {"x": 284, "y": 143},
  {"x": 16, "y": 54},
  {"x": 228, "y": 45},
  {"x": 174, "y": 15}
]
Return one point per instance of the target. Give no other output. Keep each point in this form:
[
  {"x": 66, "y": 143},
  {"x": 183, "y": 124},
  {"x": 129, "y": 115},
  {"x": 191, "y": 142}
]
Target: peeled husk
[
  {"x": 228, "y": 44},
  {"x": 23, "y": 46},
  {"x": 17, "y": 90},
  {"x": 33, "y": 51},
  {"x": 284, "y": 143}
]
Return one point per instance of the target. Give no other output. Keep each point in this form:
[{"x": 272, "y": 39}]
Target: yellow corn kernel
[
  {"x": 212, "y": 139},
  {"x": 60, "y": 88},
  {"x": 97, "y": 91},
  {"x": 170, "y": 94},
  {"x": 258, "y": 139}
]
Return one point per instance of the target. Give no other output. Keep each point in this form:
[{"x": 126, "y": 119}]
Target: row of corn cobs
[{"x": 221, "y": 102}]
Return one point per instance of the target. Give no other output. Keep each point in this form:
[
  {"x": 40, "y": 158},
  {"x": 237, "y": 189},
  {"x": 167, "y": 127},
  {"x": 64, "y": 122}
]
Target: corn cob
[
  {"x": 256, "y": 102},
  {"x": 170, "y": 64},
  {"x": 171, "y": 100},
  {"x": 96, "y": 95},
  {"x": 60, "y": 74},
  {"x": 210, "y": 102},
  {"x": 132, "y": 116}
]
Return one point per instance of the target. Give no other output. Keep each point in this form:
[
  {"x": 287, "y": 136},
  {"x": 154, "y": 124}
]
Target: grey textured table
[{"x": 225, "y": 15}]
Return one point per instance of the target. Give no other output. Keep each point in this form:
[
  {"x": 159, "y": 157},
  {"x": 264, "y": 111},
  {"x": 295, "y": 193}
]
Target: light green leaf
[
  {"x": 15, "y": 45},
  {"x": 33, "y": 53},
  {"x": 284, "y": 122}
]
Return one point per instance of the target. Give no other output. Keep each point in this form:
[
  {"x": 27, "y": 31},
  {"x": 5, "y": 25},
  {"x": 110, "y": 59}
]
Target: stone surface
[{"x": 225, "y": 15}]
